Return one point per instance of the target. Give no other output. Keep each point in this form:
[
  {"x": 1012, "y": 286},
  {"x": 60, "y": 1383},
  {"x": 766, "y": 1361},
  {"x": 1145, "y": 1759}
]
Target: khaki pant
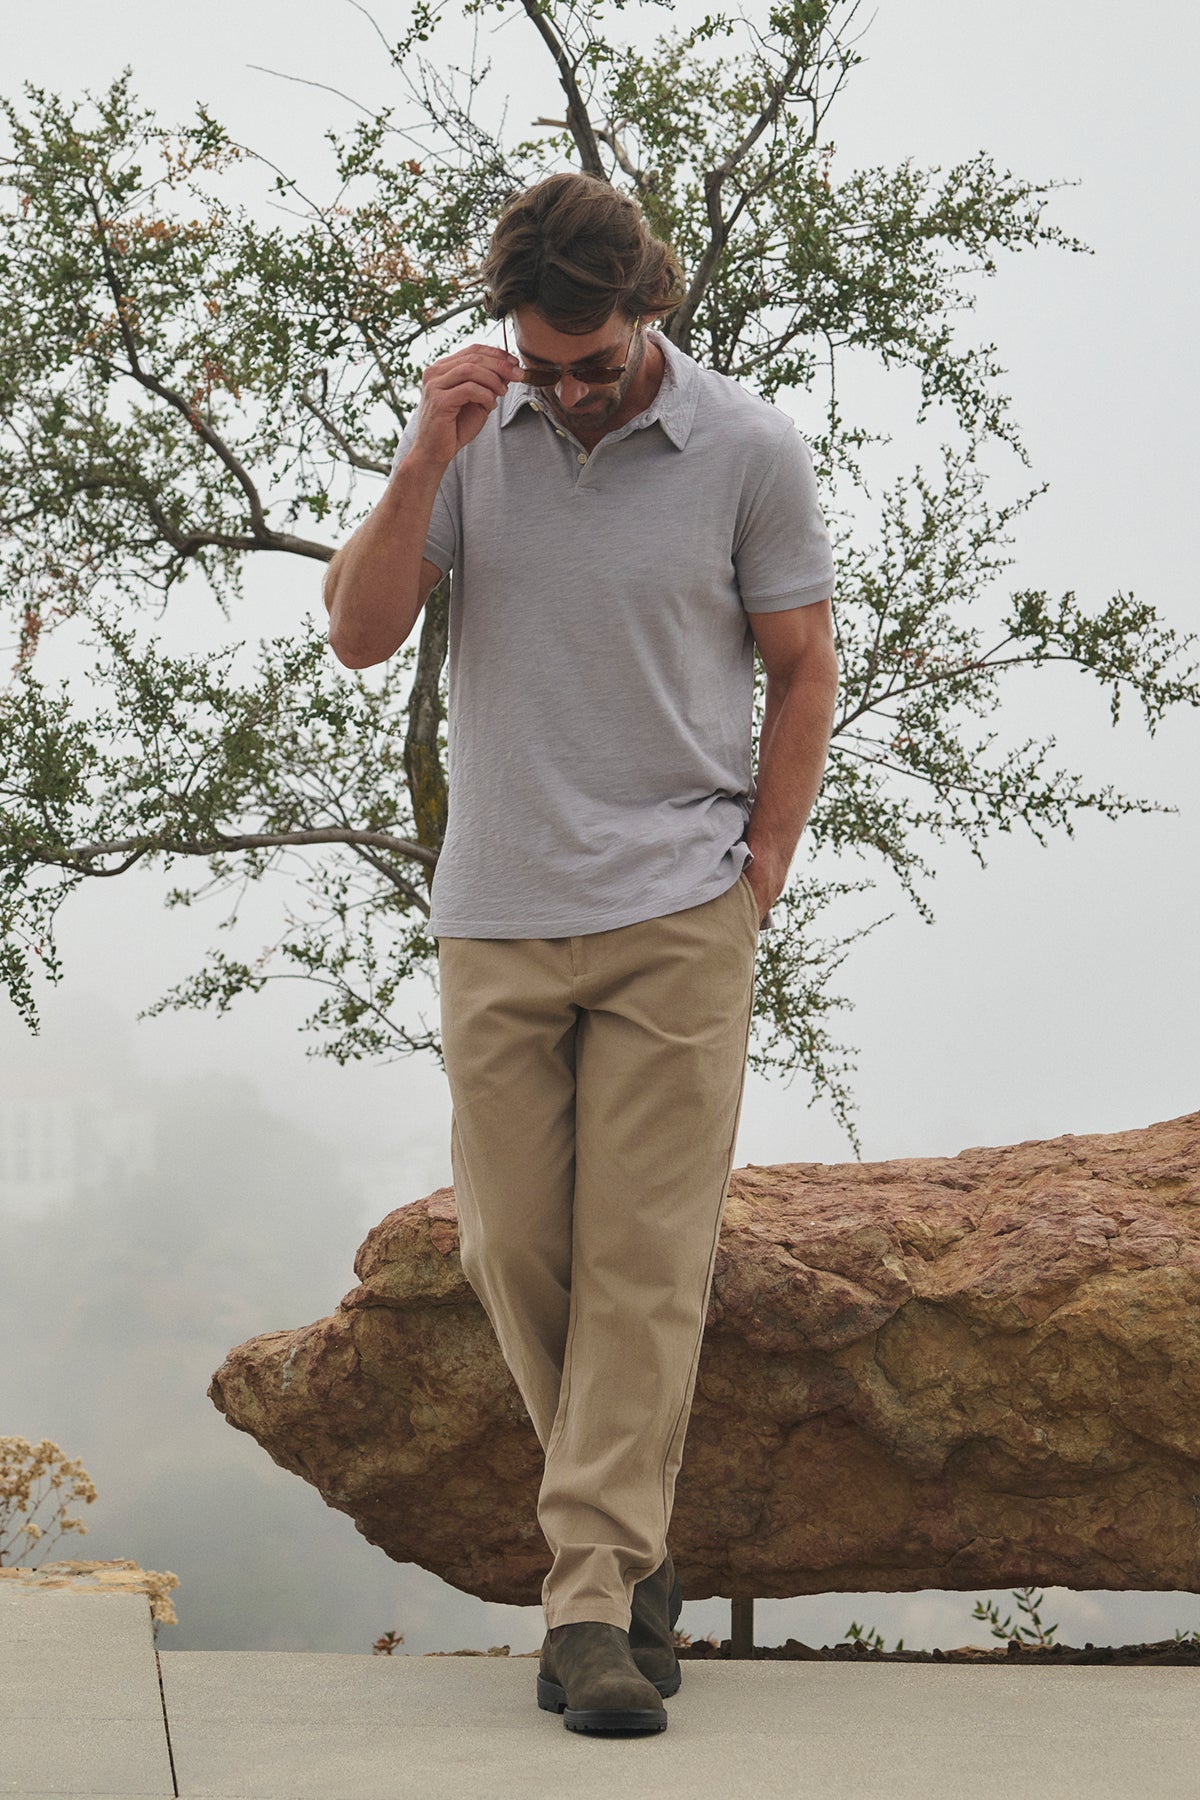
[{"x": 596, "y": 1084}]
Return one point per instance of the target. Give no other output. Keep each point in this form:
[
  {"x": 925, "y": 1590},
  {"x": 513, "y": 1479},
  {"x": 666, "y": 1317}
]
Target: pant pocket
[{"x": 745, "y": 881}]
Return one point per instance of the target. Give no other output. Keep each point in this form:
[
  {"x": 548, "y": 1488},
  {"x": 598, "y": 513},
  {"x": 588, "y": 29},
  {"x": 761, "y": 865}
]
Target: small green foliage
[
  {"x": 1028, "y": 1603},
  {"x": 1035, "y": 1633},
  {"x": 873, "y": 1640}
]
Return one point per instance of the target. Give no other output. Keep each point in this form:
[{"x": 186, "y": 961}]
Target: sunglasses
[{"x": 544, "y": 375}]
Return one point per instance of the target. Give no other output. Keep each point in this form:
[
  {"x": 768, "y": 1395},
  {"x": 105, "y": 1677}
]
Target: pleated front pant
[{"x": 596, "y": 1085}]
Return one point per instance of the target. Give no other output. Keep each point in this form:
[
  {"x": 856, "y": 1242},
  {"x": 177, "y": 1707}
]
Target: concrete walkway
[{"x": 88, "y": 1708}]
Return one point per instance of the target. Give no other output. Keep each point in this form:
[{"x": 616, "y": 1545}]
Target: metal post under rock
[{"x": 741, "y": 1630}]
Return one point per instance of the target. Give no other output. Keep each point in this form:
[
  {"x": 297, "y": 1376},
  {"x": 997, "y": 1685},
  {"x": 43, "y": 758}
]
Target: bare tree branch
[
  {"x": 186, "y": 543},
  {"x": 79, "y": 854},
  {"x": 263, "y": 536},
  {"x": 578, "y": 123},
  {"x": 645, "y": 184},
  {"x": 354, "y": 457},
  {"x": 680, "y": 327},
  {"x": 397, "y": 880}
]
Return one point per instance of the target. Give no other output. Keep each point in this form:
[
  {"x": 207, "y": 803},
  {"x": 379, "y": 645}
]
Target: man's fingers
[
  {"x": 464, "y": 366},
  {"x": 448, "y": 380},
  {"x": 477, "y": 355},
  {"x": 460, "y": 392},
  {"x": 493, "y": 352},
  {"x": 475, "y": 390}
]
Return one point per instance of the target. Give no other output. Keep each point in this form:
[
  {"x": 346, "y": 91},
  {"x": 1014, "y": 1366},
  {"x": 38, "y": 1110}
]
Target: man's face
[{"x": 573, "y": 400}]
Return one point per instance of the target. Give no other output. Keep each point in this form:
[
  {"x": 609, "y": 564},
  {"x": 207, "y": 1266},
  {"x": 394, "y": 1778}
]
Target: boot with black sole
[{"x": 587, "y": 1673}]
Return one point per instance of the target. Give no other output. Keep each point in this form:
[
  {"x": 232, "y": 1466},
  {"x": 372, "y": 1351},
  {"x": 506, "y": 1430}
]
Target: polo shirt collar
[{"x": 674, "y": 405}]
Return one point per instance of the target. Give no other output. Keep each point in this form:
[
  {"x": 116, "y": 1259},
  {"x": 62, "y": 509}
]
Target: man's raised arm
[{"x": 379, "y": 580}]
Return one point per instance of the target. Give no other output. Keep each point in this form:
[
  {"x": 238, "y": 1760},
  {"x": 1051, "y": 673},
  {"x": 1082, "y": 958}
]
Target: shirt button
[
  {"x": 534, "y": 406},
  {"x": 560, "y": 433},
  {"x": 581, "y": 457}
]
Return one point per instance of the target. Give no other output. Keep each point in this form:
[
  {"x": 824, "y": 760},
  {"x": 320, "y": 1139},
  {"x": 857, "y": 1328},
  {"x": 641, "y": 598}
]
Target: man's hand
[
  {"x": 767, "y": 875},
  {"x": 458, "y": 392}
]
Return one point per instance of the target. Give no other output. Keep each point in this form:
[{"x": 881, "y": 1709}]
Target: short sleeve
[
  {"x": 782, "y": 555},
  {"x": 444, "y": 536}
]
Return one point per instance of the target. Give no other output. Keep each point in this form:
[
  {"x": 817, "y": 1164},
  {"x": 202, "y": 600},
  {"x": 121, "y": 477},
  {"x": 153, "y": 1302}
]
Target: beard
[{"x": 606, "y": 401}]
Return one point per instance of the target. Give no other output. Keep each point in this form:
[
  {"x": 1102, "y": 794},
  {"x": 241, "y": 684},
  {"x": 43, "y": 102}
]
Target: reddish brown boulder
[{"x": 969, "y": 1371}]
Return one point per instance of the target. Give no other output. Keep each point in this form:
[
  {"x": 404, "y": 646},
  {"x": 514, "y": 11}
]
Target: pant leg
[
  {"x": 660, "y": 1070},
  {"x": 508, "y": 1029}
]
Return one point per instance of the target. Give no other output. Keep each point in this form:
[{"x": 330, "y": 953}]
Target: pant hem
[{"x": 592, "y": 1612}]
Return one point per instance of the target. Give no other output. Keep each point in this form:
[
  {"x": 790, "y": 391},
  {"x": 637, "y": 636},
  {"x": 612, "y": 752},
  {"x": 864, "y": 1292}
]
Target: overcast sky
[{"x": 1056, "y": 991}]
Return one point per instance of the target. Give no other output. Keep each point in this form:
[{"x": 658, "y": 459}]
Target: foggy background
[{"x": 171, "y": 1187}]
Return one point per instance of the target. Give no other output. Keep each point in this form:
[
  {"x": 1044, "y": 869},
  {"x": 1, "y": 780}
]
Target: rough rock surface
[
  {"x": 118, "y": 1575},
  {"x": 969, "y": 1371}
]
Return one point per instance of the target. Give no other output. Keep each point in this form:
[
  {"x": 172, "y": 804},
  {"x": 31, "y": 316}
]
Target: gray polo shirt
[{"x": 601, "y": 678}]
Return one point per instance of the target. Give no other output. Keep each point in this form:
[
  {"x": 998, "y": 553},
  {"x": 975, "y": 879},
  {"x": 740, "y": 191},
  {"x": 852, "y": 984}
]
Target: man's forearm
[
  {"x": 793, "y": 750},
  {"x": 372, "y": 588}
]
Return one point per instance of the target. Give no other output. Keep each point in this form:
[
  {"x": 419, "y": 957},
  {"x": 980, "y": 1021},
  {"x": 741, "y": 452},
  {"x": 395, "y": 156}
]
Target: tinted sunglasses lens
[{"x": 543, "y": 378}]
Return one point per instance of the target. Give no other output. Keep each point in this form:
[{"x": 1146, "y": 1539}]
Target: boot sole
[{"x": 552, "y": 1698}]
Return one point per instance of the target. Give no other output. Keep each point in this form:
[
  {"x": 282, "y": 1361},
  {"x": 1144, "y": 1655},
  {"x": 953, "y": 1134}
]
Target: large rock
[{"x": 969, "y": 1371}]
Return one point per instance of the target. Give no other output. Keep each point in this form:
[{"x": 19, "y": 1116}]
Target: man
[{"x": 623, "y": 527}]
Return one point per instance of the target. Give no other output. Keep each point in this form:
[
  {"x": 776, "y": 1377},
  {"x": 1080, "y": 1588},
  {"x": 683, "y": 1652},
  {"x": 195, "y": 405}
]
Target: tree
[{"x": 183, "y": 393}]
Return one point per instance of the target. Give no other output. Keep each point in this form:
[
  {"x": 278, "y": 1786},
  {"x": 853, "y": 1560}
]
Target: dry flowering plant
[{"x": 23, "y": 1466}]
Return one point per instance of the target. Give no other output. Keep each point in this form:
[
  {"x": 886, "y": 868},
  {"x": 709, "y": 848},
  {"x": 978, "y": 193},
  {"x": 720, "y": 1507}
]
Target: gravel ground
[{"x": 1187, "y": 1650}]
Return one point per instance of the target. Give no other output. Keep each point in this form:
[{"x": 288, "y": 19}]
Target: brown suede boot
[
  {"x": 657, "y": 1602},
  {"x": 587, "y": 1673}
]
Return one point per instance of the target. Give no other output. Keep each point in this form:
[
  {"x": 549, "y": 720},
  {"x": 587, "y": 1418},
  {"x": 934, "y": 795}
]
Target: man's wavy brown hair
[{"x": 578, "y": 251}]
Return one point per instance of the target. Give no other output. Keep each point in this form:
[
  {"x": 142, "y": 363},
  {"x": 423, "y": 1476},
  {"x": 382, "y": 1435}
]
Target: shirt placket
[{"x": 581, "y": 455}]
